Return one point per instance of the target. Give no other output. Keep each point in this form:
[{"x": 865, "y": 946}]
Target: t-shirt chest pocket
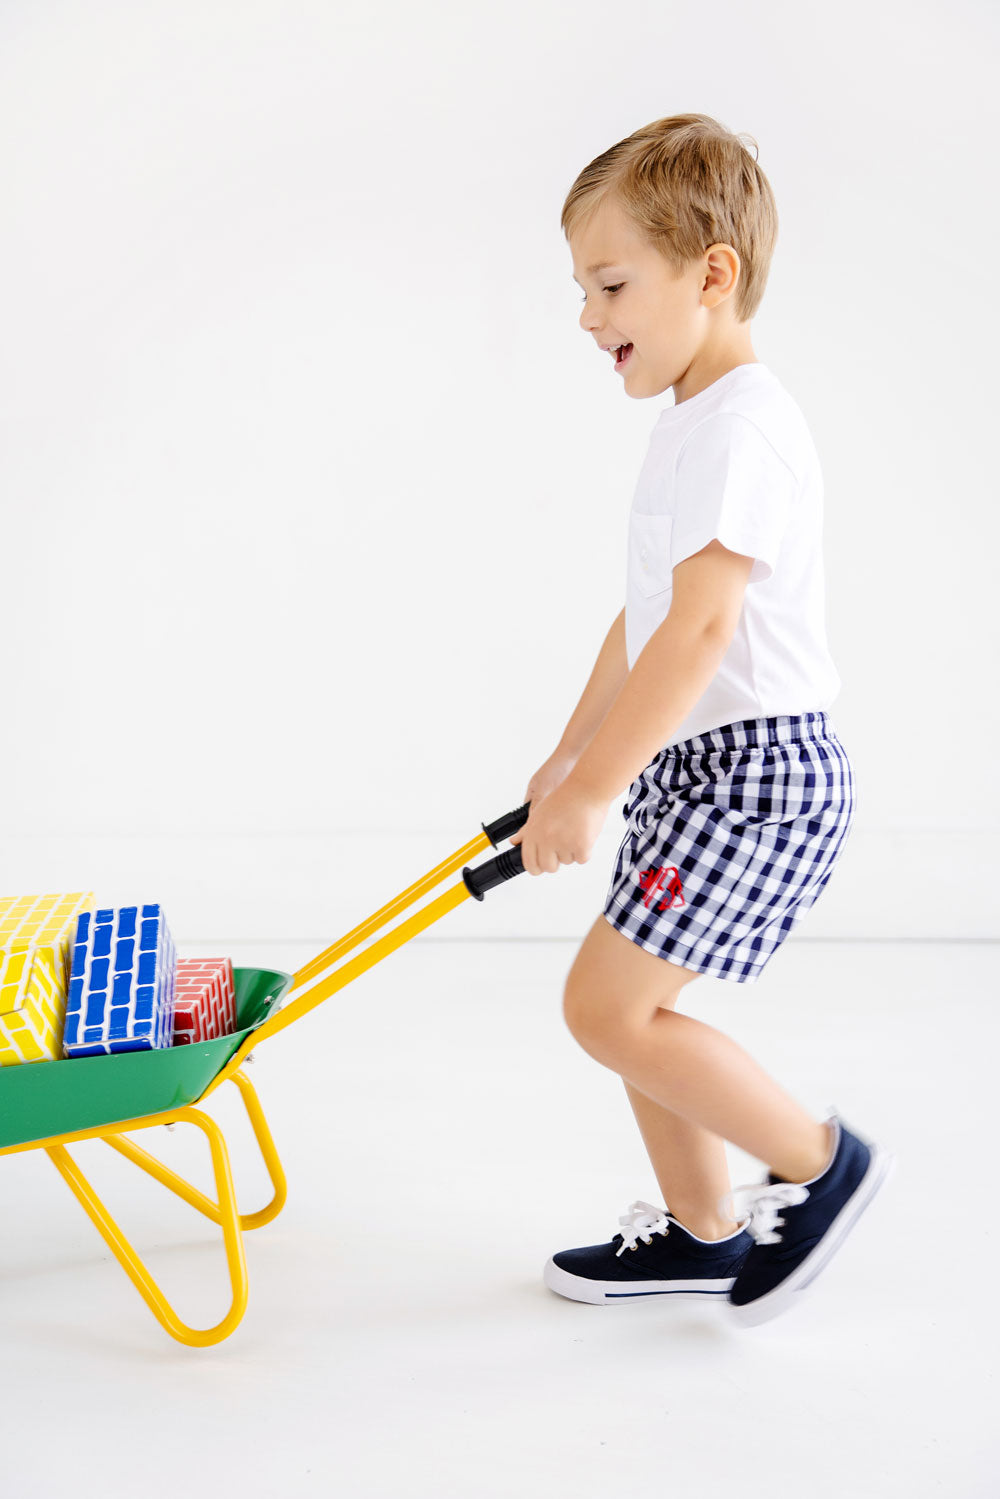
[{"x": 649, "y": 544}]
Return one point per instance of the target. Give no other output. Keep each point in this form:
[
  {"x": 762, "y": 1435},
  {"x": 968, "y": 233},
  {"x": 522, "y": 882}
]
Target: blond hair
[{"x": 687, "y": 182}]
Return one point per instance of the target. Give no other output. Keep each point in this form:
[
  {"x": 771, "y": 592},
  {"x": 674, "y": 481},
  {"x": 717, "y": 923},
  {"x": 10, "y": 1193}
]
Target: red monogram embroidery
[{"x": 664, "y": 878}]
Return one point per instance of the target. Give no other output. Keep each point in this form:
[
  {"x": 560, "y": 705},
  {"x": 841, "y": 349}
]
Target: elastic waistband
[{"x": 749, "y": 733}]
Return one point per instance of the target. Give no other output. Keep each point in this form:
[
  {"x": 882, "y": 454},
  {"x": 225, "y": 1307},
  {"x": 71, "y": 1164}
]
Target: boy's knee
[
  {"x": 599, "y": 1010},
  {"x": 590, "y": 1018},
  {"x": 575, "y": 1000}
]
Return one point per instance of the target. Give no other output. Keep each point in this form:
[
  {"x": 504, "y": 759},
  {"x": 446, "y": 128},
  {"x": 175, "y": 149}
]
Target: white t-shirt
[{"x": 737, "y": 462}]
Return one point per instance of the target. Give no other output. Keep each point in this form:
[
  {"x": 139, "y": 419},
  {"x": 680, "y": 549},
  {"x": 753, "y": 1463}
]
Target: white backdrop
[{"x": 315, "y": 493}]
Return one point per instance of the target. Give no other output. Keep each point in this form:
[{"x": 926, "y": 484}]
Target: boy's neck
[{"x": 710, "y": 365}]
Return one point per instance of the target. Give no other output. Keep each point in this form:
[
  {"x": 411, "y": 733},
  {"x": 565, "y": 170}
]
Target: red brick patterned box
[{"x": 204, "y": 1000}]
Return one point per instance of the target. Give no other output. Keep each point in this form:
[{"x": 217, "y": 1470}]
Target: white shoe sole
[
  {"x": 603, "y": 1292},
  {"x": 784, "y": 1295}
]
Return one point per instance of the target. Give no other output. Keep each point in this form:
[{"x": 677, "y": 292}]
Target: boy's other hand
[{"x": 561, "y": 829}]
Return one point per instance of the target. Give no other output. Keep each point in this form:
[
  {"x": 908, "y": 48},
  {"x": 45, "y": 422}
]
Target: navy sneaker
[
  {"x": 676, "y": 1263},
  {"x": 816, "y": 1218}
]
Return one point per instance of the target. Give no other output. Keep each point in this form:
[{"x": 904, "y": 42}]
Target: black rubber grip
[
  {"x": 494, "y": 872},
  {"x": 497, "y": 831}
]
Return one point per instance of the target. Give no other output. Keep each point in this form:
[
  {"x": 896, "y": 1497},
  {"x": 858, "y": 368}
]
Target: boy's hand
[
  {"x": 561, "y": 829},
  {"x": 550, "y": 775}
]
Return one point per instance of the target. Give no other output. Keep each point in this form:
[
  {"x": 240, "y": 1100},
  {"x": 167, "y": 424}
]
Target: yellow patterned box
[{"x": 36, "y": 935}]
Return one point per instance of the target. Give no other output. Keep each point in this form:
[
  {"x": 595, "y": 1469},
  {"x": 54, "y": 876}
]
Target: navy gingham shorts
[{"x": 731, "y": 837}]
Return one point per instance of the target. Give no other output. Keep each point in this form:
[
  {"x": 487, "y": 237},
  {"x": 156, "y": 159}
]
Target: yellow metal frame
[{"x": 310, "y": 986}]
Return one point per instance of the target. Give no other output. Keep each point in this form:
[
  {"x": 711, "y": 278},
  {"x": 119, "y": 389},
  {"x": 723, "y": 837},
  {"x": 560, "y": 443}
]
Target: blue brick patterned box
[{"x": 121, "y": 987}]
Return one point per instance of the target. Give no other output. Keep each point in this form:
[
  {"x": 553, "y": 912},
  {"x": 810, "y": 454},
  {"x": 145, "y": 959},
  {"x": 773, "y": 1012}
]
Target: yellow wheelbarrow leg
[
  {"x": 133, "y": 1266},
  {"x": 262, "y": 1134},
  {"x": 190, "y": 1194}
]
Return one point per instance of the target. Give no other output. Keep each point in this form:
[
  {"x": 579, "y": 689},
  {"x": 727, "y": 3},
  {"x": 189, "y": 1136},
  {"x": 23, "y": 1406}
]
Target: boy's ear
[
  {"x": 722, "y": 274},
  {"x": 709, "y": 588}
]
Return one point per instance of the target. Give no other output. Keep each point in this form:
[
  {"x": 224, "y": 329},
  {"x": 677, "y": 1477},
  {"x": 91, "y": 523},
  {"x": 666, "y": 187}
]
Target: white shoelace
[
  {"x": 761, "y": 1218},
  {"x": 641, "y": 1220},
  {"x": 764, "y": 1204}
]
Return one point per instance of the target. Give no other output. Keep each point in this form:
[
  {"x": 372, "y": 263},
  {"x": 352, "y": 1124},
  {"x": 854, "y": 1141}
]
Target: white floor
[{"x": 443, "y": 1134}]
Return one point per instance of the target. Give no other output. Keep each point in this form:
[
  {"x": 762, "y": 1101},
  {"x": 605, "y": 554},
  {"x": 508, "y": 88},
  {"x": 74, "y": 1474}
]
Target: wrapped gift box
[
  {"x": 204, "y": 999},
  {"x": 121, "y": 987},
  {"x": 36, "y": 933}
]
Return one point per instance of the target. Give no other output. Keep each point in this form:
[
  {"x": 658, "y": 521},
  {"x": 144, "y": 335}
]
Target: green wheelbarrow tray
[
  {"x": 41, "y": 1099},
  {"x": 51, "y": 1105}
]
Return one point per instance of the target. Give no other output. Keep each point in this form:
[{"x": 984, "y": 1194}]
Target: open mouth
[{"x": 622, "y": 355}]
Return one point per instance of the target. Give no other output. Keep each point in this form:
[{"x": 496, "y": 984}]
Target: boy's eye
[{"x": 617, "y": 287}]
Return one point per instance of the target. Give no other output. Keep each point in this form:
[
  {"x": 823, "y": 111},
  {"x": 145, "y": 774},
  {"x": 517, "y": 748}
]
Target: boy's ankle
[{"x": 708, "y": 1229}]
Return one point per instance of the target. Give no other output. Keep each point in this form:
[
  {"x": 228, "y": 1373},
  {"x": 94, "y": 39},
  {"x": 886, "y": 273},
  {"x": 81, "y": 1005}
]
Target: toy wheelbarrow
[{"x": 48, "y": 1105}]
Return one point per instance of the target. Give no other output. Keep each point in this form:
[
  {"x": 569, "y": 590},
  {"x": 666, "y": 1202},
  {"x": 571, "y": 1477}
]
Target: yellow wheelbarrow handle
[{"x": 320, "y": 978}]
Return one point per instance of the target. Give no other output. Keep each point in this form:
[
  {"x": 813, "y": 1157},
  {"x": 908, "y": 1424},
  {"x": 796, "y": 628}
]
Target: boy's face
[{"x": 676, "y": 336}]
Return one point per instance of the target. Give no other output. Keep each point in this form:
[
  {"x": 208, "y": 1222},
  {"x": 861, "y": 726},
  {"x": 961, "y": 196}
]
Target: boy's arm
[
  {"x": 603, "y": 686},
  {"x": 671, "y": 673}
]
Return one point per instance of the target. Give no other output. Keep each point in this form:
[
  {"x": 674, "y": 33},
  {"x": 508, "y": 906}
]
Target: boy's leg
[
  {"x": 690, "y": 1166},
  {"x": 689, "y": 1162},
  {"x": 617, "y": 1004}
]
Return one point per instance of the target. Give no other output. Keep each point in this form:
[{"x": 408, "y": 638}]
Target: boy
[{"x": 709, "y": 700}]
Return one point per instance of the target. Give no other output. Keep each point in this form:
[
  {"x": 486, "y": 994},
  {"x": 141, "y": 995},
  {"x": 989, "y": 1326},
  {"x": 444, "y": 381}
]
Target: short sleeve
[{"x": 730, "y": 483}]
